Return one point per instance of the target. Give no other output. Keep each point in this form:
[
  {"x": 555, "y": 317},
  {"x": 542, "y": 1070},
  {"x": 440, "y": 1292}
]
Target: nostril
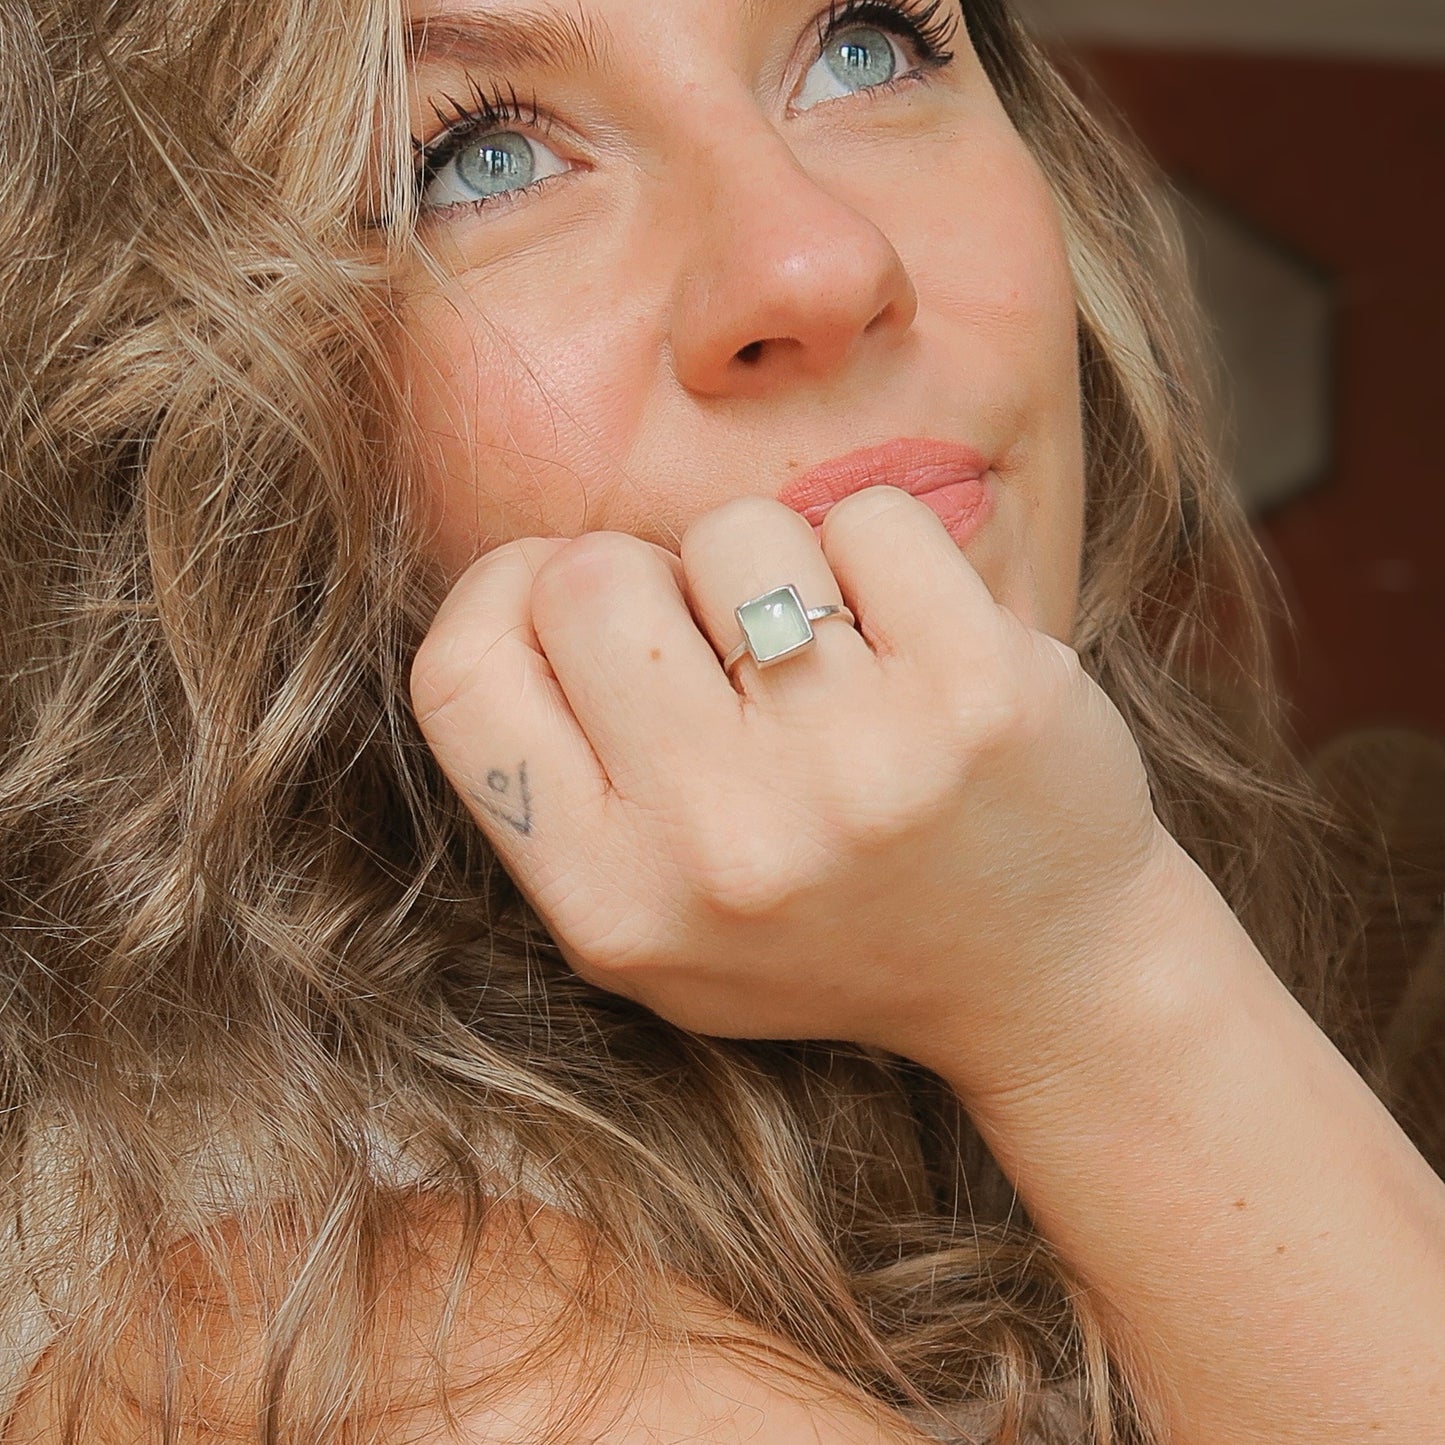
[
  {"x": 881, "y": 319},
  {"x": 751, "y": 353}
]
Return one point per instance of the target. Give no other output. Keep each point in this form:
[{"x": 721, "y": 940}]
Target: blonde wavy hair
[{"x": 270, "y": 998}]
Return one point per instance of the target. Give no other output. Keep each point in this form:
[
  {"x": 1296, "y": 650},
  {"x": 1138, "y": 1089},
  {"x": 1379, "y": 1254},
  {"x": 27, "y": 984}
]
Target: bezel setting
[{"x": 776, "y": 625}]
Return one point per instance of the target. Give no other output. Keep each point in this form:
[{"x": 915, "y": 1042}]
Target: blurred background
[
  {"x": 1308, "y": 138},
  {"x": 1306, "y": 142}
]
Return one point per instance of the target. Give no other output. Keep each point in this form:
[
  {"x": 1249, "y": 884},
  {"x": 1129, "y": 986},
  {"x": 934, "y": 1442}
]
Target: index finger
[{"x": 492, "y": 712}]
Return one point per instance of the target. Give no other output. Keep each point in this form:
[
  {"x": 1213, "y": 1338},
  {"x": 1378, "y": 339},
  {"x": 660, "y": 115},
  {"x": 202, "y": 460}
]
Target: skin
[
  {"x": 932, "y": 834},
  {"x": 839, "y": 818},
  {"x": 878, "y": 305}
]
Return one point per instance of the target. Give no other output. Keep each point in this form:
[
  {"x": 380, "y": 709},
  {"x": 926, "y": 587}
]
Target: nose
[{"x": 785, "y": 281}]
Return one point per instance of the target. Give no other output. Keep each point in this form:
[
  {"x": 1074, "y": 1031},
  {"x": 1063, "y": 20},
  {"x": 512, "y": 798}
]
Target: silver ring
[{"x": 777, "y": 625}]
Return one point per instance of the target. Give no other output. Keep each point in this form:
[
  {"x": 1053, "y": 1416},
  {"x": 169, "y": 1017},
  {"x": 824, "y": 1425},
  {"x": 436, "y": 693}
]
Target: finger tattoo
[{"x": 507, "y": 797}]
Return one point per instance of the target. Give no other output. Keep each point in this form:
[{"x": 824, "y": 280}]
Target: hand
[{"x": 931, "y": 827}]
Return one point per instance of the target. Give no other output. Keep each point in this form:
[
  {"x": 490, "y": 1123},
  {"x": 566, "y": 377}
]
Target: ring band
[{"x": 777, "y": 625}]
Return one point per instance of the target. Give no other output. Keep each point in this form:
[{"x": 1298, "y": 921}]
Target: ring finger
[{"x": 753, "y": 546}]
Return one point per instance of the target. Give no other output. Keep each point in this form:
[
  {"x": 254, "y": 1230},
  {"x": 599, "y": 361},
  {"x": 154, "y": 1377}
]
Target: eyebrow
[
  {"x": 512, "y": 39},
  {"x": 520, "y": 38}
]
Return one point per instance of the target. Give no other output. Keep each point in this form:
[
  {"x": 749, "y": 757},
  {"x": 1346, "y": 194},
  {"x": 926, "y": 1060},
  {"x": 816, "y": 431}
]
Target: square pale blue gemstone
[{"x": 775, "y": 624}]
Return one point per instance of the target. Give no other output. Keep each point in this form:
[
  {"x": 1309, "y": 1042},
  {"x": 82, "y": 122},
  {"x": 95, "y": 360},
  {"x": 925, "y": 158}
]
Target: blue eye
[
  {"x": 488, "y": 155},
  {"x": 479, "y": 168},
  {"x": 866, "y": 45},
  {"x": 494, "y": 165},
  {"x": 861, "y": 58}
]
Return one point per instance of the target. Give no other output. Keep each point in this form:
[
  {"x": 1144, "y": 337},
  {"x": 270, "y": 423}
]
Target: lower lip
[{"x": 963, "y": 507}]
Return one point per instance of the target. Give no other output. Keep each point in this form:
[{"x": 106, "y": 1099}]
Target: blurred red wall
[{"x": 1343, "y": 162}]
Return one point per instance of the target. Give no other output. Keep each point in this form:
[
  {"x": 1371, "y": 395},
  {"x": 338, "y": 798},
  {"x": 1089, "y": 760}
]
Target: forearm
[{"x": 1260, "y": 1237}]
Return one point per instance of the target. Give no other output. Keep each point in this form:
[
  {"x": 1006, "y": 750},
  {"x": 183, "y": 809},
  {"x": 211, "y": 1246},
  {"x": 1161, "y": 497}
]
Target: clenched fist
[{"x": 925, "y": 833}]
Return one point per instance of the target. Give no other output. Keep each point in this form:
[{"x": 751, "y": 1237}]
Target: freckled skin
[{"x": 639, "y": 340}]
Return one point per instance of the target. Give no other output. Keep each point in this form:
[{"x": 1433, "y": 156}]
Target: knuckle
[
  {"x": 745, "y": 516},
  {"x": 433, "y": 678},
  {"x": 608, "y": 931},
  {"x": 622, "y": 950},
  {"x": 751, "y": 880},
  {"x": 883, "y": 783},
  {"x": 447, "y": 669},
  {"x": 1035, "y": 680},
  {"x": 986, "y": 703},
  {"x": 1055, "y": 675},
  {"x": 455, "y": 651},
  {"x": 589, "y": 566}
]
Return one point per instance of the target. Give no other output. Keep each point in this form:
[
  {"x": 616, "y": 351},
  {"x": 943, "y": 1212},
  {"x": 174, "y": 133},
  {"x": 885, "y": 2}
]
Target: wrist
[
  {"x": 1155, "y": 978},
  {"x": 1227, "y": 1190}
]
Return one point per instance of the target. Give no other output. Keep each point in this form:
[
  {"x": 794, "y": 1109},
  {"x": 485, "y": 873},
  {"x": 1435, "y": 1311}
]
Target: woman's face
[{"x": 690, "y": 250}]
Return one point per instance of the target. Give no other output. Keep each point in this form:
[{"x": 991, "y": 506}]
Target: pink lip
[{"x": 950, "y": 479}]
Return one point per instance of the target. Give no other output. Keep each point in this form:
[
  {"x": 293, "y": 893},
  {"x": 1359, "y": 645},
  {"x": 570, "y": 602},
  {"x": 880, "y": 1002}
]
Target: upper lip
[{"x": 916, "y": 464}]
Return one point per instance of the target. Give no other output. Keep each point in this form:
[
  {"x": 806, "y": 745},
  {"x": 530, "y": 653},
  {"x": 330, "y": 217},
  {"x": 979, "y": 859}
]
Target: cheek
[
  {"x": 986, "y": 248},
  {"x": 989, "y": 252},
  {"x": 521, "y": 409}
]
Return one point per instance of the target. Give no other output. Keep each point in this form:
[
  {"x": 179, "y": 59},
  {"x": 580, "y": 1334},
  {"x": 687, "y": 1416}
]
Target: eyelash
[
  {"x": 483, "y": 113},
  {"x": 930, "y": 25}
]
